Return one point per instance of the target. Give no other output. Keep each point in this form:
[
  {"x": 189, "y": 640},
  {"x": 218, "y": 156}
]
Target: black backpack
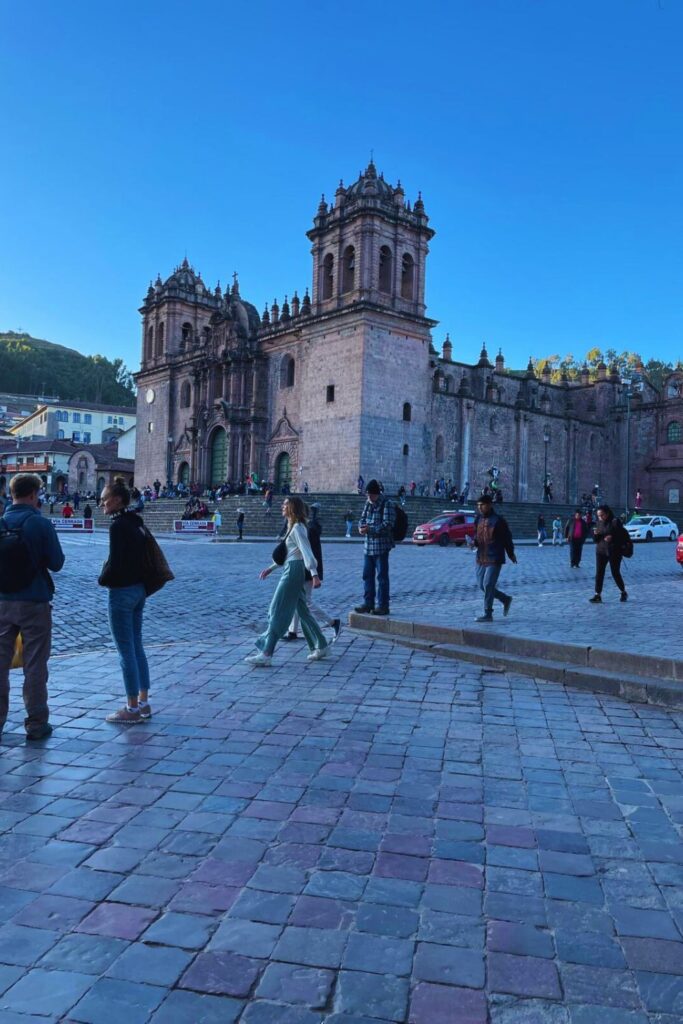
[
  {"x": 16, "y": 565},
  {"x": 400, "y": 527}
]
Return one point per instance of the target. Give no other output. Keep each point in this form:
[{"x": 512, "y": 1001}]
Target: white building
[{"x": 82, "y": 422}]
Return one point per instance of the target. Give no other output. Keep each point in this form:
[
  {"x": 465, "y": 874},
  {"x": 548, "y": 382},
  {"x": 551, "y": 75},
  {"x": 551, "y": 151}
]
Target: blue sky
[{"x": 546, "y": 137}]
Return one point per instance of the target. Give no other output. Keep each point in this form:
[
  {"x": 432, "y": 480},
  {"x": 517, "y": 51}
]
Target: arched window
[
  {"x": 183, "y": 473},
  {"x": 439, "y": 448},
  {"x": 386, "y": 263},
  {"x": 405, "y": 449},
  {"x": 186, "y": 333},
  {"x": 328, "y": 276},
  {"x": 348, "y": 268},
  {"x": 185, "y": 394},
  {"x": 160, "y": 340},
  {"x": 407, "y": 412},
  {"x": 407, "y": 276},
  {"x": 673, "y": 432},
  {"x": 206, "y": 334},
  {"x": 150, "y": 343},
  {"x": 287, "y": 372}
]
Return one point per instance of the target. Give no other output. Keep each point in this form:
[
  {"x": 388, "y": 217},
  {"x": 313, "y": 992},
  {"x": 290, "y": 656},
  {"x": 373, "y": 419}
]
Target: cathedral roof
[
  {"x": 185, "y": 279},
  {"x": 369, "y": 183}
]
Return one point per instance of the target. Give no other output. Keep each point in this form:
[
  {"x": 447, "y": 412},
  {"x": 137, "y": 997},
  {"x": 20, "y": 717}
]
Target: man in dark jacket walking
[
  {"x": 27, "y": 609},
  {"x": 493, "y": 541},
  {"x": 611, "y": 539}
]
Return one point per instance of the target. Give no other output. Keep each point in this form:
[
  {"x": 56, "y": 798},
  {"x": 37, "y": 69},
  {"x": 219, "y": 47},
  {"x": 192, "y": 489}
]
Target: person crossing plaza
[
  {"x": 492, "y": 541},
  {"x": 289, "y": 597}
]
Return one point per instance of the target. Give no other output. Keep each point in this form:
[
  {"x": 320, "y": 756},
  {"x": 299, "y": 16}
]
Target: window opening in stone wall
[
  {"x": 328, "y": 276},
  {"x": 385, "y": 269},
  {"x": 330, "y": 392},
  {"x": 406, "y": 449},
  {"x": 348, "y": 268},
  {"x": 673, "y": 432},
  {"x": 160, "y": 340},
  {"x": 407, "y": 276},
  {"x": 150, "y": 343},
  {"x": 439, "y": 448},
  {"x": 407, "y": 412},
  {"x": 186, "y": 333},
  {"x": 150, "y": 428},
  {"x": 287, "y": 372},
  {"x": 185, "y": 395}
]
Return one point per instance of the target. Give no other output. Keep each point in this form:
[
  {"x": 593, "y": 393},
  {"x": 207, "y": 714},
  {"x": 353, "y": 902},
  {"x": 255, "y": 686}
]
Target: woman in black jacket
[
  {"x": 122, "y": 574},
  {"x": 610, "y": 541}
]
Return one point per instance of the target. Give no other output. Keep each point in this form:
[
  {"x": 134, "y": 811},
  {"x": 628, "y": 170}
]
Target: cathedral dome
[
  {"x": 369, "y": 184},
  {"x": 185, "y": 279}
]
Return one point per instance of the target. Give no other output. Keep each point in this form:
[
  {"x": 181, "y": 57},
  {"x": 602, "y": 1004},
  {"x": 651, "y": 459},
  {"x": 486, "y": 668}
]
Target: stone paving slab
[
  {"x": 380, "y": 836},
  {"x": 377, "y": 837}
]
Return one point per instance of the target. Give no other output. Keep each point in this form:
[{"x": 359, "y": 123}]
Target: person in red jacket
[{"x": 67, "y": 511}]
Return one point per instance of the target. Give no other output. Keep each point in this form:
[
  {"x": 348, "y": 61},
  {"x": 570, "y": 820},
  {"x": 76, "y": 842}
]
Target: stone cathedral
[{"x": 347, "y": 380}]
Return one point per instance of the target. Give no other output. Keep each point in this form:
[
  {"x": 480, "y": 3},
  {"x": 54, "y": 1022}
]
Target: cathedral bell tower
[{"x": 370, "y": 246}]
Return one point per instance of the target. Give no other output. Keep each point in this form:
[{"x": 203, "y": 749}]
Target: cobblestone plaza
[{"x": 381, "y": 836}]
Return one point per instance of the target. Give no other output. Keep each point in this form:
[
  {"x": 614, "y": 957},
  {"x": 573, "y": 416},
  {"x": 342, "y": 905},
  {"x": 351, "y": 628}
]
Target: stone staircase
[{"x": 160, "y": 514}]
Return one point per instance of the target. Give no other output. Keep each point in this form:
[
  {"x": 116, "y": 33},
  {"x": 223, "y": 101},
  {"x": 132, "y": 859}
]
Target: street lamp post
[
  {"x": 169, "y": 459},
  {"x": 546, "y": 442},
  {"x": 631, "y": 385}
]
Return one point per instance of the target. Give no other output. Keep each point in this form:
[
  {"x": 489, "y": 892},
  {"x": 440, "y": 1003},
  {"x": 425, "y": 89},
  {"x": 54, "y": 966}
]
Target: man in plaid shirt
[{"x": 376, "y": 524}]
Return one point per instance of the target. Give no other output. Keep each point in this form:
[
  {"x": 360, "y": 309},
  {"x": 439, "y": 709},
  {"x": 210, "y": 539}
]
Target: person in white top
[{"x": 289, "y": 595}]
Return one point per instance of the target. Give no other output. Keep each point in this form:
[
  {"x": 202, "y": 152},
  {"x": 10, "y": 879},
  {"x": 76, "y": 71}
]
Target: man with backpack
[
  {"x": 29, "y": 547},
  {"x": 381, "y": 524}
]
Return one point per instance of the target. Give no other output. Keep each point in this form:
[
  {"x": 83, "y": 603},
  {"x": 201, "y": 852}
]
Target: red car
[
  {"x": 679, "y": 550},
  {"x": 446, "y": 528}
]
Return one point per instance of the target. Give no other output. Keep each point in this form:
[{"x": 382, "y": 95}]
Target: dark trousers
[
  {"x": 376, "y": 565},
  {"x": 575, "y": 550},
  {"x": 601, "y": 563}
]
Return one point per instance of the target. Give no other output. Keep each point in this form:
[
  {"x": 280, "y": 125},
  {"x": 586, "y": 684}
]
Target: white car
[{"x": 649, "y": 527}]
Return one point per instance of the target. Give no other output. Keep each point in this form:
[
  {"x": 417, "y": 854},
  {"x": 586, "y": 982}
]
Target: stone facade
[{"x": 347, "y": 381}]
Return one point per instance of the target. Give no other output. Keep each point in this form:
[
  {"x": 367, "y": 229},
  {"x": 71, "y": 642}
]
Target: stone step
[
  {"x": 634, "y": 677},
  {"x": 160, "y": 515}
]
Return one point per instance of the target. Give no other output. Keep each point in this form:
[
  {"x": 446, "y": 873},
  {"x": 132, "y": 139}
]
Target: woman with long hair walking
[{"x": 289, "y": 596}]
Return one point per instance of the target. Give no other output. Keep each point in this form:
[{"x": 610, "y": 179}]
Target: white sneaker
[
  {"x": 259, "y": 660},
  {"x": 318, "y": 654}
]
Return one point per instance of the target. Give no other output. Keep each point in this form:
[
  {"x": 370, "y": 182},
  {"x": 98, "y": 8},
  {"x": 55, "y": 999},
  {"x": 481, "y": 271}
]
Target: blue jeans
[
  {"x": 125, "y": 621},
  {"x": 487, "y": 577},
  {"x": 376, "y": 564}
]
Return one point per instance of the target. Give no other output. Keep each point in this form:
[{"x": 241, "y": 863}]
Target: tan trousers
[{"x": 34, "y": 621}]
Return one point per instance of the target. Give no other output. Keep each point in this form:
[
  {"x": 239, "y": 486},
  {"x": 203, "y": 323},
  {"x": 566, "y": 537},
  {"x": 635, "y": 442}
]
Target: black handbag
[
  {"x": 279, "y": 555},
  {"x": 156, "y": 570}
]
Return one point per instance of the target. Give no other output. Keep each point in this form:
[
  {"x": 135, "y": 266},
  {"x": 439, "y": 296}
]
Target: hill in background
[{"x": 33, "y": 366}]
